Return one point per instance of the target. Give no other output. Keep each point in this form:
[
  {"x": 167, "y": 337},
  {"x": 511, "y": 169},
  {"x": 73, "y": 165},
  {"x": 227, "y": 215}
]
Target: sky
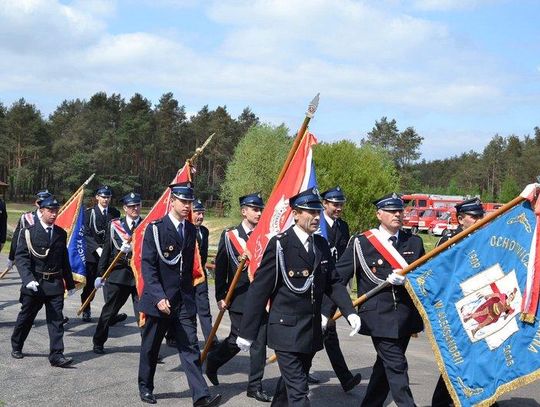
[{"x": 459, "y": 72}]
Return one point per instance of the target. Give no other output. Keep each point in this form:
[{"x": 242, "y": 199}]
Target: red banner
[{"x": 277, "y": 215}]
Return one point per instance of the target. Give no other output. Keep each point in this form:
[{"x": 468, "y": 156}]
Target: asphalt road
[{"x": 111, "y": 379}]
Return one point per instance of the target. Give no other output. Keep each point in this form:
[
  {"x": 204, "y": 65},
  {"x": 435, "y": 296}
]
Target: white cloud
[{"x": 447, "y": 5}]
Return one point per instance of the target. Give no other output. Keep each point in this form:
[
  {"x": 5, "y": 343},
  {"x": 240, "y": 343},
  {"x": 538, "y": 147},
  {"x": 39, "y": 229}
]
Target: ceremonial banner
[
  {"x": 159, "y": 210},
  {"x": 71, "y": 219},
  {"x": 470, "y": 298},
  {"x": 277, "y": 214}
]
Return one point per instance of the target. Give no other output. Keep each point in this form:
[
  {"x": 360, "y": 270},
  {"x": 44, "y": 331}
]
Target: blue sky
[{"x": 457, "y": 71}]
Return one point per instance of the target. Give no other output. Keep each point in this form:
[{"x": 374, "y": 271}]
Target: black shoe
[
  {"x": 87, "y": 316},
  {"x": 117, "y": 318},
  {"x": 148, "y": 397},
  {"x": 208, "y": 401},
  {"x": 260, "y": 395},
  {"x": 98, "y": 349},
  {"x": 65, "y": 320},
  {"x": 352, "y": 382},
  {"x": 171, "y": 342},
  {"x": 17, "y": 354},
  {"x": 212, "y": 376},
  {"x": 62, "y": 361},
  {"x": 312, "y": 379}
]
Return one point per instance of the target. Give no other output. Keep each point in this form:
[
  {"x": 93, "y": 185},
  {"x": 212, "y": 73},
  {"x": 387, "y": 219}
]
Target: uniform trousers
[
  {"x": 91, "y": 274},
  {"x": 117, "y": 296},
  {"x": 185, "y": 329},
  {"x": 331, "y": 344},
  {"x": 31, "y": 304},
  {"x": 203, "y": 308},
  {"x": 389, "y": 374},
  {"x": 227, "y": 349},
  {"x": 292, "y": 387},
  {"x": 441, "y": 397}
]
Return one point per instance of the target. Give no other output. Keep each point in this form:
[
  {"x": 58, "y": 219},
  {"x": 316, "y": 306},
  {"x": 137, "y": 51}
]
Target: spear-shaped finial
[{"x": 312, "y": 107}]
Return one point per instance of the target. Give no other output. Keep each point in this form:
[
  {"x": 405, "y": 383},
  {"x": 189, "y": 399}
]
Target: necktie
[
  {"x": 105, "y": 212},
  {"x": 133, "y": 225},
  {"x": 393, "y": 239},
  {"x": 49, "y": 233},
  {"x": 249, "y": 233},
  {"x": 311, "y": 252},
  {"x": 181, "y": 233},
  {"x": 199, "y": 236}
]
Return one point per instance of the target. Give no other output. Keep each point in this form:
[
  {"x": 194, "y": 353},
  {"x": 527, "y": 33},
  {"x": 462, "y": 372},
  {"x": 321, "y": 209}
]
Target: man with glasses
[
  {"x": 121, "y": 282},
  {"x": 468, "y": 213},
  {"x": 96, "y": 220},
  {"x": 390, "y": 317}
]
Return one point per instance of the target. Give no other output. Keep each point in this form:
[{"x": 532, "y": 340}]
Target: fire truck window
[{"x": 422, "y": 202}]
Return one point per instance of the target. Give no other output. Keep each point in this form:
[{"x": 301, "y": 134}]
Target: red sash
[
  {"x": 389, "y": 257},
  {"x": 235, "y": 240},
  {"x": 119, "y": 229}
]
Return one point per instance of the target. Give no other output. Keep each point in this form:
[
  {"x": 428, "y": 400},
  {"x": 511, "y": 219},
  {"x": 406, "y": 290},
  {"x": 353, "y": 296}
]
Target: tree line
[{"x": 130, "y": 145}]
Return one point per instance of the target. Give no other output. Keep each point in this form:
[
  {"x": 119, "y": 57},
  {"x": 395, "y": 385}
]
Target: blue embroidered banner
[{"x": 470, "y": 298}]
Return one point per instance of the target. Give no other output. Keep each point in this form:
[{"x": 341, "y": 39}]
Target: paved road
[{"x": 111, "y": 379}]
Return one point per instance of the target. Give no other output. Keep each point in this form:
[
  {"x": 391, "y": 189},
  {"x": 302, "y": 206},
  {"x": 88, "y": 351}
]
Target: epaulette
[
  {"x": 281, "y": 235},
  {"x": 155, "y": 222}
]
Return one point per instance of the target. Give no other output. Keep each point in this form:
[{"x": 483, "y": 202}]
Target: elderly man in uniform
[
  {"x": 27, "y": 219},
  {"x": 337, "y": 232},
  {"x": 297, "y": 268},
  {"x": 43, "y": 264},
  {"x": 96, "y": 221},
  {"x": 468, "y": 213},
  {"x": 231, "y": 245},
  {"x": 168, "y": 297},
  {"x": 390, "y": 317},
  {"x": 121, "y": 282}
]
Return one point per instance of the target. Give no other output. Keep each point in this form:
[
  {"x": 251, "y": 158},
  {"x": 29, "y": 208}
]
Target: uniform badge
[
  {"x": 379, "y": 262},
  {"x": 305, "y": 273},
  {"x": 291, "y": 273}
]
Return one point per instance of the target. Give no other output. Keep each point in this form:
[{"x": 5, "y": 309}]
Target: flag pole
[{"x": 312, "y": 108}]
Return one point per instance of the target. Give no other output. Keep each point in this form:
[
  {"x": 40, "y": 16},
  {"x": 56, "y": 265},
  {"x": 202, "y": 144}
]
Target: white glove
[
  {"x": 71, "y": 292},
  {"x": 32, "y": 285},
  {"x": 324, "y": 322},
  {"x": 99, "y": 282},
  {"x": 126, "y": 248},
  {"x": 243, "y": 344},
  {"x": 395, "y": 278},
  {"x": 10, "y": 264},
  {"x": 99, "y": 250},
  {"x": 355, "y": 322}
]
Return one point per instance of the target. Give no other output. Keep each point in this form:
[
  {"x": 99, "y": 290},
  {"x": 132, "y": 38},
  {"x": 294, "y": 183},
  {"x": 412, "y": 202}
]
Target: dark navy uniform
[
  {"x": 95, "y": 229},
  {"x": 227, "y": 260},
  {"x": 44, "y": 260},
  {"x": 337, "y": 231},
  {"x": 441, "y": 396},
  {"x": 167, "y": 269},
  {"x": 121, "y": 282},
  {"x": 390, "y": 317},
  {"x": 295, "y": 290},
  {"x": 3, "y": 223}
]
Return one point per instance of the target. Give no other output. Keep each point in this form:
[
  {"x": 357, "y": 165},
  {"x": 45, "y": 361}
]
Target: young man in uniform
[
  {"x": 168, "y": 297},
  {"x": 96, "y": 221},
  {"x": 296, "y": 270},
  {"x": 121, "y": 282},
  {"x": 231, "y": 245},
  {"x": 390, "y": 317},
  {"x": 43, "y": 264}
]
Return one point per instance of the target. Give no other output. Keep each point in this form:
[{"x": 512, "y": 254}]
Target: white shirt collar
[
  {"x": 386, "y": 234},
  {"x": 329, "y": 220},
  {"x": 246, "y": 228},
  {"x": 175, "y": 221},
  {"x": 45, "y": 226},
  {"x": 303, "y": 236},
  {"x": 102, "y": 208},
  {"x": 130, "y": 221}
]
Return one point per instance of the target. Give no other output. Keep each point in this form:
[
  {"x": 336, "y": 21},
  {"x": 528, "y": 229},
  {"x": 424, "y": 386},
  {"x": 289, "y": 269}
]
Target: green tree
[
  {"x": 509, "y": 189},
  {"x": 256, "y": 163},
  {"x": 365, "y": 173}
]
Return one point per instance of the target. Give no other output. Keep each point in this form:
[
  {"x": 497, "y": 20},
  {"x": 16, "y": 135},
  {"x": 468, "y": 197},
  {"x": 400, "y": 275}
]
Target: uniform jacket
[
  {"x": 203, "y": 244},
  {"x": 3, "y": 222},
  {"x": 338, "y": 236},
  {"x": 294, "y": 322},
  {"x": 31, "y": 268},
  {"x": 225, "y": 271},
  {"x": 95, "y": 236},
  {"x": 15, "y": 239},
  {"x": 122, "y": 273},
  {"x": 449, "y": 235},
  {"x": 173, "y": 282},
  {"x": 390, "y": 313}
]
